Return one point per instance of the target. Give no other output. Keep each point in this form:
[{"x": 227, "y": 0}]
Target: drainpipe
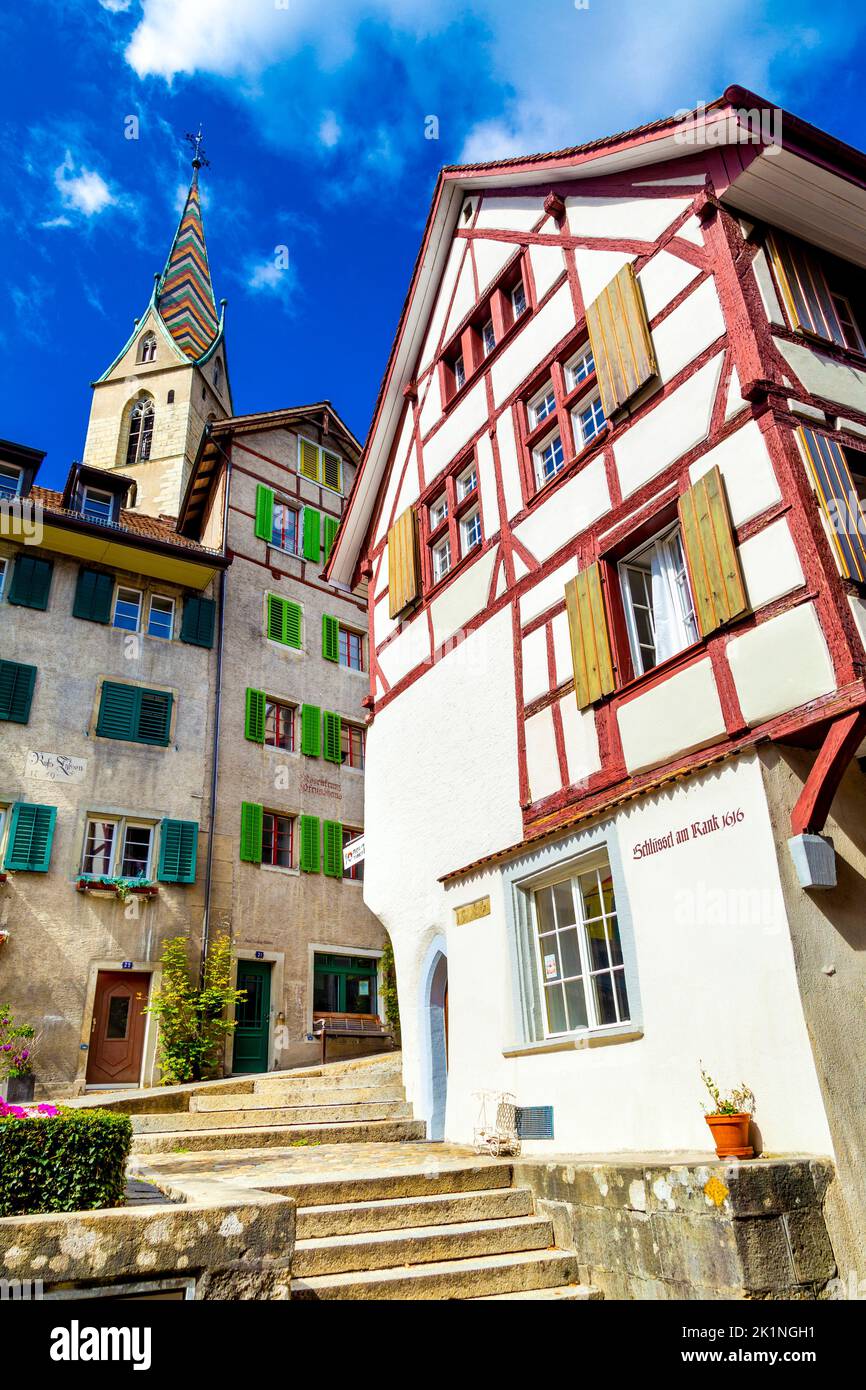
[{"x": 205, "y": 932}]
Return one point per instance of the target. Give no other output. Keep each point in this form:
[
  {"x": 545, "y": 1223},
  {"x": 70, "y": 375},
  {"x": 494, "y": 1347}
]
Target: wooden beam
[{"x": 841, "y": 743}]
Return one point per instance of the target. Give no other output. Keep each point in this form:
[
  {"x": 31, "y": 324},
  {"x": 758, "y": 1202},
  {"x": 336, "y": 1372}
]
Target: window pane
[
  {"x": 127, "y": 609},
  {"x": 576, "y": 1001},
  {"x": 136, "y": 851},
  {"x": 556, "y": 1016},
  {"x": 614, "y": 944},
  {"x": 10, "y": 479},
  {"x": 99, "y": 848},
  {"x": 326, "y": 993},
  {"x": 569, "y": 952},
  {"x": 544, "y": 909},
  {"x": 563, "y": 897},
  {"x": 604, "y": 1001},
  {"x": 621, "y": 994},
  {"x": 597, "y": 940},
  {"x": 118, "y": 1017},
  {"x": 161, "y": 617}
]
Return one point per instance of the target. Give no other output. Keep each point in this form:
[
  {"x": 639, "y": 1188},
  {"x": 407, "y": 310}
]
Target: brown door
[{"x": 117, "y": 1031}]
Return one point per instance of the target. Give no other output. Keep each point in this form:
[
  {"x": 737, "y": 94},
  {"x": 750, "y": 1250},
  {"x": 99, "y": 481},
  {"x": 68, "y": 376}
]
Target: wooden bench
[{"x": 348, "y": 1026}]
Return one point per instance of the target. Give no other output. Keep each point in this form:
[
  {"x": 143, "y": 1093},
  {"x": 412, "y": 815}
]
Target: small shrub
[
  {"x": 72, "y": 1161},
  {"x": 390, "y": 1004},
  {"x": 193, "y": 1019}
]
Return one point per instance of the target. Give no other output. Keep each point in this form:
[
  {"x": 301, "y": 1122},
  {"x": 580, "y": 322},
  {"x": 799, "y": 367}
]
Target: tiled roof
[
  {"x": 135, "y": 524},
  {"x": 185, "y": 298}
]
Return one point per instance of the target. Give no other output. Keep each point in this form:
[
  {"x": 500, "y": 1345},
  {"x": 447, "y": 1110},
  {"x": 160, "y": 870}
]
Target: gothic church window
[
  {"x": 140, "y": 432},
  {"x": 147, "y": 348}
]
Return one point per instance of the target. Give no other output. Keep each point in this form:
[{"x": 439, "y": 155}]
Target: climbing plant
[
  {"x": 390, "y": 1003},
  {"x": 194, "y": 1017}
]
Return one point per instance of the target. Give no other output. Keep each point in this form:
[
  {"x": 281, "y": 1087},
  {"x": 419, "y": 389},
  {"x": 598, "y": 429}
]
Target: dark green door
[{"x": 253, "y": 1015}]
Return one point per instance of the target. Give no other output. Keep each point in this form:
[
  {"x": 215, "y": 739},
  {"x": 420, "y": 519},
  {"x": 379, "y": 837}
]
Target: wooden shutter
[
  {"x": 16, "y": 691},
  {"x": 199, "y": 619},
  {"x": 590, "y": 641},
  {"x": 804, "y": 289},
  {"x": 264, "y": 527},
  {"x": 312, "y": 534},
  {"x": 31, "y": 581},
  {"x": 251, "y": 832},
  {"x": 31, "y": 833},
  {"x": 118, "y": 710},
  {"x": 310, "y": 851},
  {"x": 332, "y": 750},
  {"x": 330, "y": 526},
  {"x": 177, "y": 851},
  {"x": 620, "y": 339},
  {"x": 254, "y": 726},
  {"x": 330, "y": 637},
  {"x": 275, "y": 620},
  {"x": 309, "y": 459},
  {"x": 311, "y": 730},
  {"x": 292, "y": 624},
  {"x": 839, "y": 501},
  {"x": 332, "y": 834},
  {"x": 404, "y": 580},
  {"x": 331, "y": 470},
  {"x": 154, "y": 716},
  {"x": 93, "y": 594},
  {"x": 711, "y": 552}
]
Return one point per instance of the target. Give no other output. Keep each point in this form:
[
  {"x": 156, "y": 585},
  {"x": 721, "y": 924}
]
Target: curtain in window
[{"x": 667, "y": 628}]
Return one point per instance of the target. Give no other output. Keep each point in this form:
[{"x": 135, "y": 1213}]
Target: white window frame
[
  {"x": 438, "y": 511},
  {"x": 120, "y": 825},
  {"x": 467, "y": 482},
  {"x": 582, "y": 438},
  {"x": 540, "y": 397},
  {"x": 467, "y": 523},
  {"x": 580, "y": 368},
  {"x": 9, "y": 470},
  {"x": 287, "y": 507},
  {"x": 597, "y": 861},
  {"x": 163, "y": 598},
  {"x": 538, "y": 457},
  {"x": 676, "y": 576},
  {"x": 127, "y": 589},
  {"x": 89, "y": 492},
  {"x": 518, "y": 313},
  {"x": 437, "y": 551}
]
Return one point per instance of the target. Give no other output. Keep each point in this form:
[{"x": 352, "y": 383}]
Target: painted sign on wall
[
  {"x": 54, "y": 767},
  {"x": 469, "y": 912}
]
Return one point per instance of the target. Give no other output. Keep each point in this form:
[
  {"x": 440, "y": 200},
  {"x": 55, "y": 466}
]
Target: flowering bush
[
  {"x": 25, "y": 1112},
  {"x": 16, "y": 1045}
]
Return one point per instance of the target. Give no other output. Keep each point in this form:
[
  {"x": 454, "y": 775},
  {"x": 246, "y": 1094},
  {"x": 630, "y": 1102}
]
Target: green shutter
[
  {"x": 93, "y": 594},
  {"x": 264, "y": 512},
  {"x": 333, "y": 836},
  {"x": 332, "y": 737},
  {"x": 283, "y": 621},
  {"x": 329, "y": 531},
  {"x": 199, "y": 618},
  {"x": 330, "y": 637},
  {"x": 140, "y": 716},
  {"x": 31, "y": 581},
  {"x": 311, "y": 730},
  {"x": 118, "y": 711},
  {"x": 312, "y": 534},
  {"x": 16, "y": 691},
  {"x": 177, "y": 851},
  {"x": 251, "y": 832},
  {"x": 254, "y": 727},
  {"x": 31, "y": 831},
  {"x": 310, "y": 860}
]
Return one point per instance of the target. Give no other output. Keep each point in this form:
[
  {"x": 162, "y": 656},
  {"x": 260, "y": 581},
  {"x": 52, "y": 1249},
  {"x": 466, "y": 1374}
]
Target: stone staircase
[{"x": 380, "y": 1214}]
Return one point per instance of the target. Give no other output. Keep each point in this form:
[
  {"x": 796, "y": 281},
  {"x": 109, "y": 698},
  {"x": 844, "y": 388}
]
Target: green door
[{"x": 253, "y": 1015}]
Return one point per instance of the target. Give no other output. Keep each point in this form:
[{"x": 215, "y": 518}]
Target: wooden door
[
  {"x": 117, "y": 1031},
  {"x": 253, "y": 1033}
]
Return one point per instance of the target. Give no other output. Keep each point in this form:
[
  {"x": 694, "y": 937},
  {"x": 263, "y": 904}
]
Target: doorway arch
[{"x": 437, "y": 1039}]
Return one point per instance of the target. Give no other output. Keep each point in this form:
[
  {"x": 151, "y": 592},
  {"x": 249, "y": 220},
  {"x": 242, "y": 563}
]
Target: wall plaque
[{"x": 469, "y": 912}]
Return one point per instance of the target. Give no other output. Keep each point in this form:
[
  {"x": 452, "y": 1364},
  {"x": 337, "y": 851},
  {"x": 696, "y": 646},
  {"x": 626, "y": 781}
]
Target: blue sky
[{"x": 315, "y": 113}]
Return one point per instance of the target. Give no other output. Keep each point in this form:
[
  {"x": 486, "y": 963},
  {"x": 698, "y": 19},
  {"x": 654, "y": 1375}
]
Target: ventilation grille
[{"x": 535, "y": 1121}]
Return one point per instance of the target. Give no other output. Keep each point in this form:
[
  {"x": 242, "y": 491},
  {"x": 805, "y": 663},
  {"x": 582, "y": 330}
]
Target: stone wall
[{"x": 687, "y": 1228}]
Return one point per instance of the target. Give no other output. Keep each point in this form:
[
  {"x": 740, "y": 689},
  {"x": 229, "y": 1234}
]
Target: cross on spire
[{"x": 195, "y": 141}]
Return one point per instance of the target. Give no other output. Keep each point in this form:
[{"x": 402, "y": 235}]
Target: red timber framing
[{"x": 770, "y": 398}]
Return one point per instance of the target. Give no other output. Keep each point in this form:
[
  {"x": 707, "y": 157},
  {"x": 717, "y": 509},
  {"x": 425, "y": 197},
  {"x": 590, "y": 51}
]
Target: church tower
[{"x": 150, "y": 407}]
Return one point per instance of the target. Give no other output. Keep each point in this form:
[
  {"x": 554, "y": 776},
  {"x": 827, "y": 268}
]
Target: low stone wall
[
  {"x": 681, "y": 1228},
  {"x": 240, "y": 1247}
]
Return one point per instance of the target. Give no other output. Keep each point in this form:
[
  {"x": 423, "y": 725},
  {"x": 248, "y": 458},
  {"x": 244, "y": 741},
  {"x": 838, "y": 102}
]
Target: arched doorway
[{"x": 437, "y": 1013}]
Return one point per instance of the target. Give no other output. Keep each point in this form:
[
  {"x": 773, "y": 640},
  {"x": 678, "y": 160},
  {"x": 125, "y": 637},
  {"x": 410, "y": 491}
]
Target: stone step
[
  {"x": 205, "y": 1118},
  {"x": 328, "y": 1077},
  {"x": 306, "y": 1092},
  {"x": 426, "y": 1180},
  {"x": 369, "y": 1250},
  {"x": 577, "y": 1293},
  {"x": 476, "y": 1276},
  {"x": 395, "y": 1213},
  {"x": 279, "y": 1136}
]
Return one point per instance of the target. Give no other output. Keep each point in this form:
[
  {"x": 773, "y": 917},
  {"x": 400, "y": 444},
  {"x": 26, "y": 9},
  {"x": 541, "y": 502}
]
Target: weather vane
[{"x": 198, "y": 149}]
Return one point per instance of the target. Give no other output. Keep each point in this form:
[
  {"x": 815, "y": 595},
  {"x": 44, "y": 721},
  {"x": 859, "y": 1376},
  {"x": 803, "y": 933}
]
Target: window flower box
[{"x": 122, "y": 888}]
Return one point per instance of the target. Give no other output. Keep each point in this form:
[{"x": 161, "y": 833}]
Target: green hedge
[{"x": 73, "y": 1161}]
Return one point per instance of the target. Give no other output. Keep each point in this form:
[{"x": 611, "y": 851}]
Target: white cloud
[
  {"x": 272, "y": 277},
  {"x": 61, "y": 221},
  {"x": 116, "y": 6},
  {"x": 84, "y": 191},
  {"x": 329, "y": 130}
]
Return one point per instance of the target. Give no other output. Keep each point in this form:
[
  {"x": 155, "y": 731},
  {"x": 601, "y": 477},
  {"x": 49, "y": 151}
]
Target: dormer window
[
  {"x": 10, "y": 480},
  {"x": 147, "y": 348},
  {"x": 95, "y": 505},
  {"x": 140, "y": 432}
]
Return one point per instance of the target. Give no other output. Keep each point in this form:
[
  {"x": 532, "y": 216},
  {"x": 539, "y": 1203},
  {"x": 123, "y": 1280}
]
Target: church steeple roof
[{"x": 184, "y": 297}]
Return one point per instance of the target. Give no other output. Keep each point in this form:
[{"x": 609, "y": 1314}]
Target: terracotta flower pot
[{"x": 731, "y": 1135}]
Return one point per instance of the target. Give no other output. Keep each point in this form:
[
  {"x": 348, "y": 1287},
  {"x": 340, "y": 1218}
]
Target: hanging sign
[{"x": 353, "y": 852}]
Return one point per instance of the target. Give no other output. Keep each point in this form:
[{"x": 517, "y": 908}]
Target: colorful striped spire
[{"x": 184, "y": 297}]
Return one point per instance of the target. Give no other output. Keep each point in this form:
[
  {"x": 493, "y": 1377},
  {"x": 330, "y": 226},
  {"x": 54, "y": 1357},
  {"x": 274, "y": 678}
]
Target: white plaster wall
[
  {"x": 670, "y": 428},
  {"x": 751, "y": 484},
  {"x": 562, "y": 648},
  {"x": 662, "y": 278},
  {"x": 717, "y": 986},
  {"x": 734, "y": 403},
  {"x": 464, "y": 296},
  {"x": 781, "y": 664},
  {"x": 547, "y": 266},
  {"x": 536, "y": 680},
  {"x": 542, "y": 763},
  {"x": 428, "y": 754},
  {"x": 509, "y": 213},
  {"x": 431, "y": 407},
  {"x": 682, "y": 713},
  {"x": 406, "y": 651},
  {"x": 458, "y": 428},
  {"x": 440, "y": 308},
  {"x": 770, "y": 564},
  {"x": 823, "y": 376},
  {"x": 595, "y": 269},
  {"x": 570, "y": 510},
  {"x": 642, "y": 219},
  {"x": 508, "y": 465},
  {"x": 763, "y": 275},
  {"x": 533, "y": 342},
  {"x": 463, "y": 598},
  {"x": 406, "y": 429},
  {"x": 688, "y": 330},
  {"x": 547, "y": 591},
  {"x": 490, "y": 257},
  {"x": 487, "y": 485},
  {"x": 581, "y": 740}
]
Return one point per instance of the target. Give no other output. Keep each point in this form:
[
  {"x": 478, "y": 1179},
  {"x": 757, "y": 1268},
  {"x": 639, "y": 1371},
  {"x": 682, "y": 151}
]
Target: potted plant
[
  {"x": 729, "y": 1119},
  {"x": 121, "y": 888},
  {"x": 16, "y": 1058}
]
